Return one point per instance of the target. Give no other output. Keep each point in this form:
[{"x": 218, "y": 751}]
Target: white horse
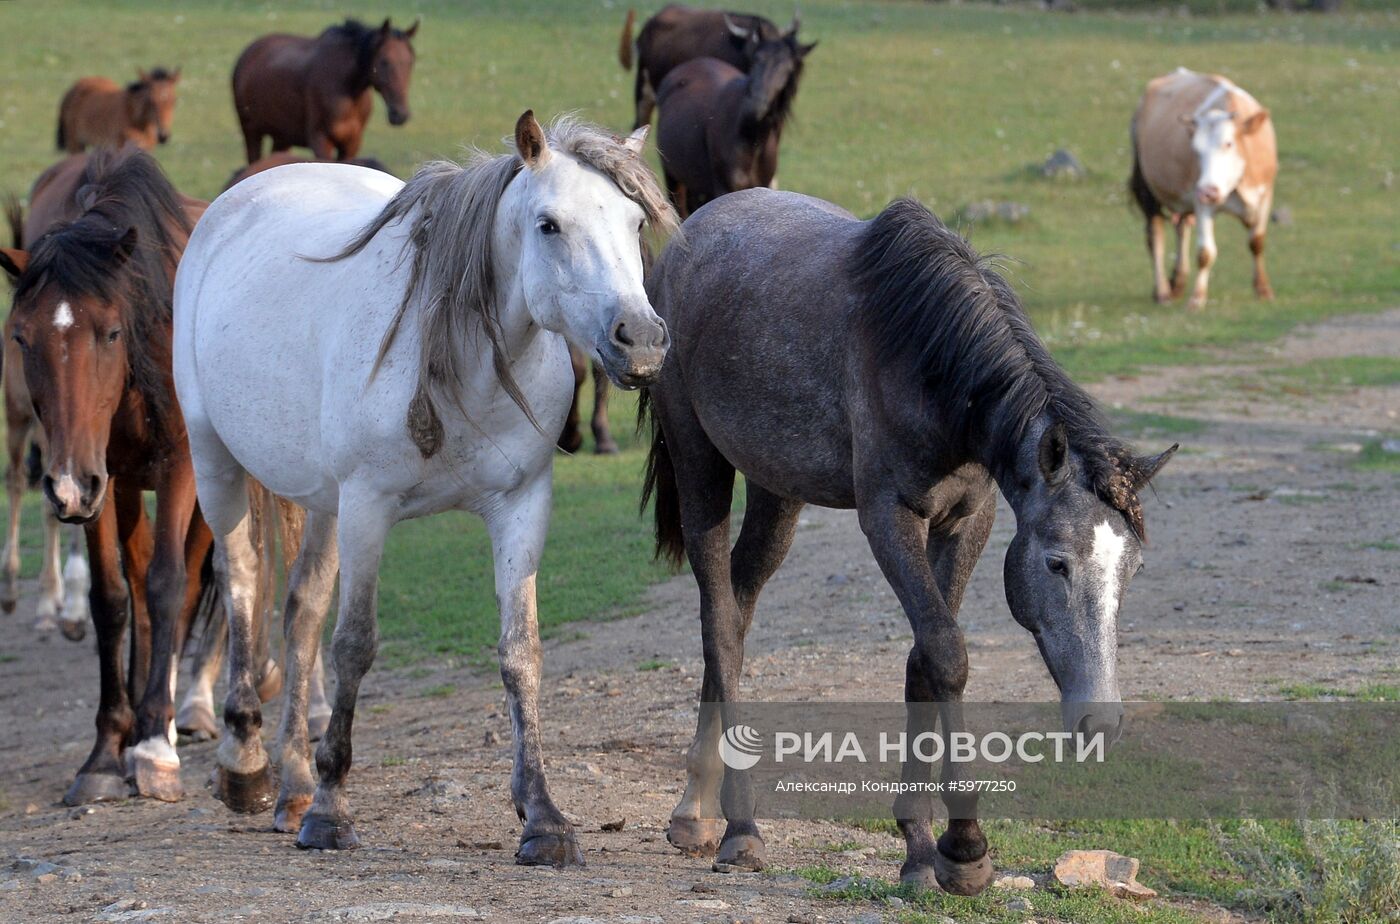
[{"x": 376, "y": 351}]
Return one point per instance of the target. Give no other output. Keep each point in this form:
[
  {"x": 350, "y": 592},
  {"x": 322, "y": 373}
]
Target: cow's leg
[
  {"x": 603, "y": 443},
  {"x": 1205, "y": 257},
  {"x": 1256, "y": 246},
  {"x": 50, "y": 607},
  {"x": 309, "y": 591},
  {"x": 1156, "y": 248},
  {"x": 1182, "y": 271}
]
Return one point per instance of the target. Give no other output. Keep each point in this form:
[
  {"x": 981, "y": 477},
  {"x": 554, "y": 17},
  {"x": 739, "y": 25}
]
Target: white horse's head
[{"x": 573, "y": 220}]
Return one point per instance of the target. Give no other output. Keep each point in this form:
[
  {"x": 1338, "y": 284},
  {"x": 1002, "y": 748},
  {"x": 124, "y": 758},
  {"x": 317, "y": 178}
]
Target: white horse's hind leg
[
  {"x": 364, "y": 524},
  {"x": 318, "y": 713},
  {"x": 77, "y": 582},
  {"x": 518, "y": 530},
  {"x": 309, "y": 591},
  {"x": 50, "y": 581}
]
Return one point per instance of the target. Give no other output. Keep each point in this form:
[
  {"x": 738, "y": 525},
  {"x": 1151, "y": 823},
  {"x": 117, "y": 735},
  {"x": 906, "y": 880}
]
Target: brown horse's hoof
[
  {"x": 155, "y": 771},
  {"x": 75, "y": 630},
  {"x": 316, "y": 725},
  {"x": 96, "y": 787},
  {"x": 605, "y": 448},
  {"x": 970, "y": 878},
  {"x": 8, "y": 604},
  {"x": 271, "y": 682},
  {"x": 695, "y": 837},
  {"x": 741, "y": 853},
  {"x": 322, "y": 832},
  {"x": 549, "y": 850},
  {"x": 246, "y": 793},
  {"x": 291, "y": 812},
  {"x": 570, "y": 442},
  {"x": 196, "y": 722}
]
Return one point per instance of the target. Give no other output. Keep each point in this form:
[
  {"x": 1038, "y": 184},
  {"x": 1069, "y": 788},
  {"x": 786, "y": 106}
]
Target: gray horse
[{"x": 880, "y": 366}]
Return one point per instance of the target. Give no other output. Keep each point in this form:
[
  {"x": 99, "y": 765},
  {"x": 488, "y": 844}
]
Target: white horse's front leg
[
  {"x": 50, "y": 581},
  {"x": 518, "y": 528},
  {"x": 364, "y": 524}
]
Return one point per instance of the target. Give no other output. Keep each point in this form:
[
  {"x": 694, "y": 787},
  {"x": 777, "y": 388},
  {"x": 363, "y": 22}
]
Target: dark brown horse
[
  {"x": 883, "y": 366},
  {"x": 92, "y": 320},
  {"x": 96, "y": 111},
  {"x": 283, "y": 159},
  {"x": 679, "y": 33},
  {"x": 317, "y": 92},
  {"x": 719, "y": 128},
  {"x": 572, "y": 438}
]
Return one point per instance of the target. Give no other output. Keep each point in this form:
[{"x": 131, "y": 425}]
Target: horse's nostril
[
  {"x": 94, "y": 487},
  {"x": 621, "y": 336}
]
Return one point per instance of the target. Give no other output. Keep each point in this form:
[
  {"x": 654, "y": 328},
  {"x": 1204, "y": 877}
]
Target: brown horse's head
[
  {"x": 150, "y": 104},
  {"x": 775, "y": 69},
  {"x": 91, "y": 318},
  {"x": 392, "y": 68}
]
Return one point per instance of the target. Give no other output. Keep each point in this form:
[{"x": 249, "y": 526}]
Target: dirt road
[{"x": 1272, "y": 563}]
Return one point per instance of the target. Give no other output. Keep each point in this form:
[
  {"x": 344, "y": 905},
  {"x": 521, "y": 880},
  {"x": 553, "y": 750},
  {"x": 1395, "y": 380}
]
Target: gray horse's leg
[
  {"x": 364, "y": 523},
  {"x": 603, "y": 443},
  {"x": 309, "y": 591},
  {"x": 517, "y": 531},
  {"x": 936, "y": 673}
]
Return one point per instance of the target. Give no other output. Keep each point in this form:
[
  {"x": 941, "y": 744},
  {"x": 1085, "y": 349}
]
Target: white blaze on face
[
  {"x": 63, "y": 316},
  {"x": 1107, "y": 556}
]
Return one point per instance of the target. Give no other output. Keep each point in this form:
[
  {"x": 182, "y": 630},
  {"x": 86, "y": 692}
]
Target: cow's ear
[{"x": 1254, "y": 122}]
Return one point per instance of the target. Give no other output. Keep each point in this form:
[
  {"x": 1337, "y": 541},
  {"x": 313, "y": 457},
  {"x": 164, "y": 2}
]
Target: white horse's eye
[{"x": 548, "y": 226}]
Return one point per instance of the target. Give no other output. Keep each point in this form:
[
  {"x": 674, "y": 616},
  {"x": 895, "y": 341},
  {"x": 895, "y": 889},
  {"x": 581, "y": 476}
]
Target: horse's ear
[
  {"x": 13, "y": 262},
  {"x": 1254, "y": 122},
  {"x": 385, "y": 30},
  {"x": 1054, "y": 454},
  {"x": 1145, "y": 468},
  {"x": 412, "y": 30},
  {"x": 637, "y": 141},
  {"x": 142, "y": 76},
  {"x": 125, "y": 246},
  {"x": 796, "y": 21},
  {"x": 804, "y": 50},
  {"x": 530, "y": 141}
]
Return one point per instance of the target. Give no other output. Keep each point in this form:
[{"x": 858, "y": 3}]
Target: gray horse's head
[{"x": 1078, "y": 544}]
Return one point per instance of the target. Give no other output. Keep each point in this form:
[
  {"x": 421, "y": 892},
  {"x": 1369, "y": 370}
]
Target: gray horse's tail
[
  {"x": 659, "y": 483},
  {"x": 624, "y": 47}
]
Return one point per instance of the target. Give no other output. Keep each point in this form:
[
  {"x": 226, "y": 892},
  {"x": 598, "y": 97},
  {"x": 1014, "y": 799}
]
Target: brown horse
[
  {"x": 96, "y": 111},
  {"x": 283, "y": 159},
  {"x": 571, "y": 439},
  {"x": 315, "y": 92},
  {"x": 679, "y": 33},
  {"x": 92, "y": 320},
  {"x": 719, "y": 127}
]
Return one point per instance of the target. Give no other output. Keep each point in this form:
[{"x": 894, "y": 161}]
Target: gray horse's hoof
[
  {"x": 322, "y": 832},
  {"x": 970, "y": 878},
  {"x": 246, "y": 793},
  {"x": 740, "y": 853},
  {"x": 549, "y": 850},
  {"x": 96, "y": 787},
  {"x": 695, "y": 837}
]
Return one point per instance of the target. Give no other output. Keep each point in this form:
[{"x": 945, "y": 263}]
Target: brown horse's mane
[
  {"x": 451, "y": 211},
  {"x": 121, "y": 191},
  {"x": 152, "y": 76},
  {"x": 933, "y": 303}
]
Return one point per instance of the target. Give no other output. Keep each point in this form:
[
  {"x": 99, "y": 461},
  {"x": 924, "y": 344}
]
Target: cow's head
[{"x": 1216, "y": 136}]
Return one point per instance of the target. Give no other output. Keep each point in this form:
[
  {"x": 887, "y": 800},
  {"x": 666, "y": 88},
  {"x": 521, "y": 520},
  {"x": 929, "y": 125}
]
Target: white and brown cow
[{"x": 1202, "y": 145}]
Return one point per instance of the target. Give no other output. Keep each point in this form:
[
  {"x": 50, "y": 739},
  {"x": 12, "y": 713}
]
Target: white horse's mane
[{"x": 451, "y": 208}]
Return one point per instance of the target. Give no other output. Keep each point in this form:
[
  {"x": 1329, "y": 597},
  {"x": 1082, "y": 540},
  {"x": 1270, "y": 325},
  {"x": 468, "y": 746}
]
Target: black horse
[{"x": 880, "y": 366}]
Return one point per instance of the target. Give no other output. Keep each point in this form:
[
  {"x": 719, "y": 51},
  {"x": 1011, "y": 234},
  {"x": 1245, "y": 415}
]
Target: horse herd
[{"x": 325, "y": 351}]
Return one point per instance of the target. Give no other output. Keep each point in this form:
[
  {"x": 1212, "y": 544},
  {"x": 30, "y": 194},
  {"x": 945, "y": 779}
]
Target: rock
[
  {"x": 986, "y": 210},
  {"x": 620, "y": 893},
  {"x": 491, "y": 738},
  {"x": 839, "y": 885},
  {"x": 1017, "y": 883},
  {"x": 1022, "y": 905},
  {"x": 1062, "y": 165},
  {"x": 46, "y": 878},
  {"x": 1282, "y": 216},
  {"x": 614, "y": 825},
  {"x": 799, "y": 918},
  {"x": 1101, "y": 869}
]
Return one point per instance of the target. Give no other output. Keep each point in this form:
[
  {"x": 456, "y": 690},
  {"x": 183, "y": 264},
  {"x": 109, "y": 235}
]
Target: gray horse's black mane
[
  {"x": 933, "y": 303},
  {"x": 121, "y": 191}
]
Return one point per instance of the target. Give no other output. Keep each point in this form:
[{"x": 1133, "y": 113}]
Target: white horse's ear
[
  {"x": 530, "y": 141},
  {"x": 637, "y": 141}
]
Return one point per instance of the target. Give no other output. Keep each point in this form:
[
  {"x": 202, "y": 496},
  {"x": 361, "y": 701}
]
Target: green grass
[
  {"x": 1370, "y": 693},
  {"x": 1340, "y": 373},
  {"x": 949, "y": 103},
  {"x": 1373, "y": 457}
]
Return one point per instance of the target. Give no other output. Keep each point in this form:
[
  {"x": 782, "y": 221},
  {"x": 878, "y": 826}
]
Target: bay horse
[
  {"x": 415, "y": 361},
  {"x": 883, "y": 366},
  {"x": 63, "y": 588},
  {"x": 91, "y": 319},
  {"x": 719, "y": 127},
  {"x": 677, "y": 34},
  {"x": 571, "y": 438},
  {"x": 317, "y": 92},
  {"x": 96, "y": 111}
]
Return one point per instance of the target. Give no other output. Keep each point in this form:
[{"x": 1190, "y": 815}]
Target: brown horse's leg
[
  {"x": 134, "y": 530},
  {"x": 603, "y": 443},
  {"x": 320, "y": 144},
  {"x": 571, "y": 439},
  {"x": 936, "y": 673},
  {"x": 309, "y": 591},
  {"x": 155, "y": 764},
  {"x": 103, "y": 776}
]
